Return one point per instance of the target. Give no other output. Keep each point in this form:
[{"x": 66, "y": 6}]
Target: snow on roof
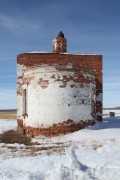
[
  {"x": 38, "y": 52},
  {"x": 65, "y": 53},
  {"x": 79, "y": 53}
]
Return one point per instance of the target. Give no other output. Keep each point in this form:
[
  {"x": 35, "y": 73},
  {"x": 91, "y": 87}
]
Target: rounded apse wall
[{"x": 59, "y": 98}]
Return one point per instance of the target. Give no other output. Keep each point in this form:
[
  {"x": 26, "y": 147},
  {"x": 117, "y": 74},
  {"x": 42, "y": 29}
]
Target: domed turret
[{"x": 59, "y": 43}]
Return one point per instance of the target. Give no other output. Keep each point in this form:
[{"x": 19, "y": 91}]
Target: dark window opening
[{"x": 24, "y": 101}]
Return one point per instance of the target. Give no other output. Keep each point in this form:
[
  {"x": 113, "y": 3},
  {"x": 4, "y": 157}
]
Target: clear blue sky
[{"x": 90, "y": 26}]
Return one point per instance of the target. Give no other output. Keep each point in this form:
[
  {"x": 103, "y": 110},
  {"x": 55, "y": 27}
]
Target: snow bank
[
  {"x": 65, "y": 167},
  {"x": 7, "y": 125},
  {"x": 92, "y": 153}
]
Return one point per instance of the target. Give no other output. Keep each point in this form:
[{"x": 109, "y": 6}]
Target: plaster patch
[
  {"x": 99, "y": 97},
  {"x": 20, "y": 70},
  {"x": 69, "y": 66}
]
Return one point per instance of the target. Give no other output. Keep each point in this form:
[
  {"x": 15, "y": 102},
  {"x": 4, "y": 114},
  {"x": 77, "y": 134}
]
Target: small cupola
[{"x": 59, "y": 44}]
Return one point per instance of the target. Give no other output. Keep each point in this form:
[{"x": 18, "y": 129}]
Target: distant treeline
[
  {"x": 8, "y": 110},
  {"x": 15, "y": 110},
  {"x": 115, "y": 108}
]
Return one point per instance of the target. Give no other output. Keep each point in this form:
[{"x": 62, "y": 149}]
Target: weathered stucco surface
[{"x": 63, "y": 92}]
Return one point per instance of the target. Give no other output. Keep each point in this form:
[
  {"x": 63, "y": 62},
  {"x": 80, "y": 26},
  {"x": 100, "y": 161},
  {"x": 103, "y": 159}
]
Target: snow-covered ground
[
  {"x": 106, "y": 112},
  {"x": 7, "y": 125},
  {"x": 92, "y": 153}
]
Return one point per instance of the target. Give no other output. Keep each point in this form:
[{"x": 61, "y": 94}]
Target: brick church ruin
[{"x": 58, "y": 92}]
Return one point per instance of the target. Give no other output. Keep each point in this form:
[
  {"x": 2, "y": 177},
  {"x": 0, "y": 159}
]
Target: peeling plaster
[
  {"x": 99, "y": 97},
  {"x": 48, "y": 103},
  {"x": 98, "y": 114},
  {"x": 57, "y": 91}
]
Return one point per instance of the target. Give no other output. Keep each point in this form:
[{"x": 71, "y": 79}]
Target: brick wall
[
  {"x": 92, "y": 61},
  {"x": 92, "y": 64}
]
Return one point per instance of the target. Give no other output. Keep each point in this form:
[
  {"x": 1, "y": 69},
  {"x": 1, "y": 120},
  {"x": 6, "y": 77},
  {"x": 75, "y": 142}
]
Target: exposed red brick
[
  {"x": 91, "y": 64},
  {"x": 43, "y": 83},
  {"x": 57, "y": 129},
  {"x": 94, "y": 62},
  {"x": 20, "y": 122}
]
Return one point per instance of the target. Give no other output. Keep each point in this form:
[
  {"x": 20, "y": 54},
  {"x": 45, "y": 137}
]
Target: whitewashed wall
[{"x": 49, "y": 101}]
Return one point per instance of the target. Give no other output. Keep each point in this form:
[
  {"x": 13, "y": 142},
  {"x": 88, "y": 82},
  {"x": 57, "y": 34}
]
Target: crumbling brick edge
[{"x": 56, "y": 129}]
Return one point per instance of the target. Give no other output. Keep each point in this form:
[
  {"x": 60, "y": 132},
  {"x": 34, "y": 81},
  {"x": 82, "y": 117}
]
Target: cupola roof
[{"x": 61, "y": 34}]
